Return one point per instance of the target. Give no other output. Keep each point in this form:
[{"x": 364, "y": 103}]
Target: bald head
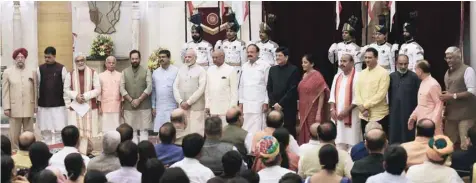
[
  {"x": 218, "y": 57},
  {"x": 233, "y": 115},
  {"x": 375, "y": 140},
  {"x": 274, "y": 119},
  {"x": 372, "y": 125},
  {"x": 425, "y": 128},
  {"x": 110, "y": 141},
  {"x": 25, "y": 140},
  {"x": 313, "y": 130}
]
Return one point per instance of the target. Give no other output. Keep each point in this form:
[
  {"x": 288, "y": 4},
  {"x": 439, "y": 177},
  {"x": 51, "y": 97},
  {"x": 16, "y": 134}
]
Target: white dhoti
[
  {"x": 110, "y": 121},
  {"x": 140, "y": 120},
  {"x": 254, "y": 122},
  {"x": 50, "y": 121},
  {"x": 195, "y": 121},
  {"x": 88, "y": 124}
]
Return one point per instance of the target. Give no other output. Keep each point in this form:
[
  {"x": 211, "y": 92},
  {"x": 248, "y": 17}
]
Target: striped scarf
[{"x": 348, "y": 94}]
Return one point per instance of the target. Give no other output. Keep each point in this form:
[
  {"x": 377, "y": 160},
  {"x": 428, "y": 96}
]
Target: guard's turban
[
  {"x": 23, "y": 51},
  {"x": 267, "y": 149},
  {"x": 440, "y": 148}
]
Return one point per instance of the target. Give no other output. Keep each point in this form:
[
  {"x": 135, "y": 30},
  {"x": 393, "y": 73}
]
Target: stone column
[
  {"x": 135, "y": 25},
  {"x": 17, "y": 28},
  {"x": 472, "y": 34}
]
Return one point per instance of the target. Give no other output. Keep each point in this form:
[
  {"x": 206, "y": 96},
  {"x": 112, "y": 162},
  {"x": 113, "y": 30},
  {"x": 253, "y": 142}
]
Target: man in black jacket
[
  {"x": 375, "y": 141},
  {"x": 283, "y": 80}
]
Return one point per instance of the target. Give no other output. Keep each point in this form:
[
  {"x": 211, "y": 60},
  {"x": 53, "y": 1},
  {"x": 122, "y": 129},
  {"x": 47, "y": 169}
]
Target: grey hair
[
  {"x": 110, "y": 141},
  {"x": 455, "y": 51},
  {"x": 213, "y": 126},
  {"x": 111, "y": 57}
]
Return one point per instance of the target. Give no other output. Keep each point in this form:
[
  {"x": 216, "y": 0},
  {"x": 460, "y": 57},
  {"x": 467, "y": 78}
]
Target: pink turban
[{"x": 23, "y": 51}]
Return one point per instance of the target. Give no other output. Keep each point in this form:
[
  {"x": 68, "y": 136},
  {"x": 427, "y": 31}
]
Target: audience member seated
[
  {"x": 70, "y": 137},
  {"x": 179, "y": 120},
  {"x": 128, "y": 156},
  {"x": 289, "y": 160},
  {"x": 237, "y": 180},
  {"x": 75, "y": 167},
  {"x": 60, "y": 177},
  {"x": 40, "y": 156},
  {"x": 47, "y": 176},
  {"x": 192, "y": 146},
  {"x": 463, "y": 160},
  {"x": 126, "y": 131},
  {"x": 395, "y": 162},
  {"x": 416, "y": 150},
  {"x": 250, "y": 176},
  {"x": 108, "y": 160},
  {"x": 309, "y": 163},
  {"x": 7, "y": 168},
  {"x": 153, "y": 171},
  {"x": 434, "y": 170},
  {"x": 232, "y": 163},
  {"x": 174, "y": 175},
  {"x": 214, "y": 149},
  {"x": 274, "y": 120},
  {"x": 290, "y": 178},
  {"x": 358, "y": 151},
  {"x": 21, "y": 158},
  {"x": 313, "y": 142},
  {"x": 94, "y": 176},
  {"x": 233, "y": 133},
  {"x": 6, "y": 145},
  {"x": 166, "y": 150},
  {"x": 146, "y": 151},
  {"x": 328, "y": 159},
  {"x": 267, "y": 150},
  {"x": 376, "y": 142}
]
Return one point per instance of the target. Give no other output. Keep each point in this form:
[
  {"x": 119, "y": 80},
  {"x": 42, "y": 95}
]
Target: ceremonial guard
[
  {"x": 348, "y": 45},
  {"x": 411, "y": 48},
  {"x": 202, "y": 48},
  {"x": 267, "y": 48},
  {"x": 386, "y": 56},
  {"x": 235, "y": 53}
]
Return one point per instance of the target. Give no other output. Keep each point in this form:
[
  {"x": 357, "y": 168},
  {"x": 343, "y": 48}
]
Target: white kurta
[
  {"x": 52, "y": 118},
  {"x": 346, "y": 135},
  {"x": 163, "y": 94},
  {"x": 222, "y": 89},
  {"x": 252, "y": 94},
  {"x": 189, "y": 86}
]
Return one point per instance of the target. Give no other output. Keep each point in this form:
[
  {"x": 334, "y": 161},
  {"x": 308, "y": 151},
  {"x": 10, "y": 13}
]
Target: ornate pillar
[
  {"x": 135, "y": 25},
  {"x": 472, "y": 34},
  {"x": 17, "y": 28}
]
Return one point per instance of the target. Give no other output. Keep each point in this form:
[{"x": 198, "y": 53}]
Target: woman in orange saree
[{"x": 313, "y": 96}]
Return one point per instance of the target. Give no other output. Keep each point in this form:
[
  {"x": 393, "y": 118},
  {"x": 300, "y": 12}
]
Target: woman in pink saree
[{"x": 313, "y": 96}]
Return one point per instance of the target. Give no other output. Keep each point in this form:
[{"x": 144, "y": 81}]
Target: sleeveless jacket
[
  {"x": 212, "y": 152},
  {"x": 51, "y": 85},
  {"x": 459, "y": 109}
]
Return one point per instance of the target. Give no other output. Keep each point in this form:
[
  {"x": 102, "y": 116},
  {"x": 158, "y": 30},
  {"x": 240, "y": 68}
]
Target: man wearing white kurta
[
  {"x": 343, "y": 109},
  {"x": 51, "y": 116},
  {"x": 253, "y": 97},
  {"x": 110, "y": 99},
  {"x": 163, "y": 102},
  {"x": 189, "y": 89},
  {"x": 82, "y": 86},
  {"x": 221, "y": 92}
]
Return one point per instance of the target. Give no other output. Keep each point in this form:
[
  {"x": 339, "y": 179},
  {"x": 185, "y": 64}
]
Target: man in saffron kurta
[
  {"x": 429, "y": 105},
  {"x": 110, "y": 100},
  {"x": 163, "y": 102},
  {"x": 52, "y": 113},
  {"x": 371, "y": 91},
  {"x": 82, "y": 86},
  {"x": 344, "y": 112},
  {"x": 136, "y": 87},
  {"x": 189, "y": 89}
]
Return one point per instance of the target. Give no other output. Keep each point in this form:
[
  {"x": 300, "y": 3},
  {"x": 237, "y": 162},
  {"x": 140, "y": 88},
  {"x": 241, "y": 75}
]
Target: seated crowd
[{"x": 231, "y": 155}]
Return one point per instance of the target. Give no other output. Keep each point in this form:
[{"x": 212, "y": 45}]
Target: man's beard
[
  {"x": 20, "y": 64},
  {"x": 402, "y": 71},
  {"x": 135, "y": 65},
  {"x": 81, "y": 67},
  {"x": 407, "y": 38},
  {"x": 196, "y": 38}
]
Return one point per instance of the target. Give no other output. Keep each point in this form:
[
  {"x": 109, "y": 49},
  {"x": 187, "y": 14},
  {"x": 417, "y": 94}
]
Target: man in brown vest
[
  {"x": 460, "y": 97},
  {"x": 136, "y": 87}
]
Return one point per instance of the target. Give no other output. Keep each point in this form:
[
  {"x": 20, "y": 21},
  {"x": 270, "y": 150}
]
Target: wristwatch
[{"x": 455, "y": 96}]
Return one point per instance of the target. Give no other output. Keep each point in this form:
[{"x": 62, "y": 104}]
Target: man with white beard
[
  {"x": 202, "y": 48},
  {"x": 253, "y": 97},
  {"x": 82, "y": 86},
  {"x": 189, "y": 89}
]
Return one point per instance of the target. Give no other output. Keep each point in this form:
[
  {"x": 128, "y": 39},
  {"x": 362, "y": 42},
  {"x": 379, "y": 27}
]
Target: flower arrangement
[
  {"x": 153, "y": 62},
  {"x": 102, "y": 46}
]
